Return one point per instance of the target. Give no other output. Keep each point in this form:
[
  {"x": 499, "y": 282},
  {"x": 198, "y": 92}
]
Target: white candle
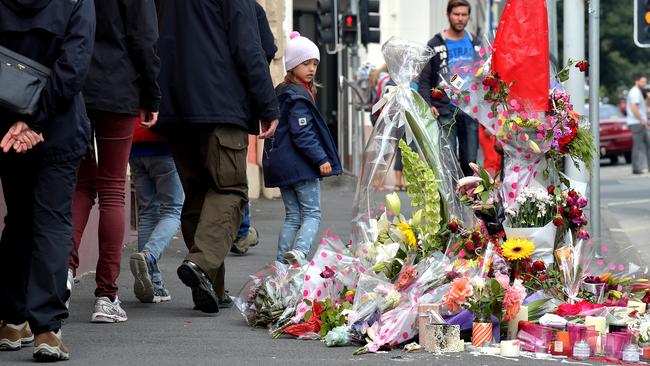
[
  {"x": 510, "y": 348},
  {"x": 513, "y": 324}
]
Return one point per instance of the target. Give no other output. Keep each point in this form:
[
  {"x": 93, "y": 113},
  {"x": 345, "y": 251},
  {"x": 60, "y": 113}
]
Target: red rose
[
  {"x": 476, "y": 236},
  {"x": 582, "y": 65},
  {"x": 572, "y": 193},
  {"x": 561, "y": 210},
  {"x": 551, "y": 189},
  {"x": 453, "y": 226},
  {"x": 469, "y": 246},
  {"x": 490, "y": 81},
  {"x": 558, "y": 221},
  {"x": 539, "y": 266},
  {"x": 542, "y": 278},
  {"x": 437, "y": 94},
  {"x": 575, "y": 212},
  {"x": 526, "y": 277}
]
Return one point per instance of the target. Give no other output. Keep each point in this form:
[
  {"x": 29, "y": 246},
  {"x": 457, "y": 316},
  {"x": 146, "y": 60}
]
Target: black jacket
[
  {"x": 124, "y": 71},
  {"x": 213, "y": 67},
  {"x": 59, "y": 34},
  {"x": 430, "y": 75},
  {"x": 266, "y": 35}
]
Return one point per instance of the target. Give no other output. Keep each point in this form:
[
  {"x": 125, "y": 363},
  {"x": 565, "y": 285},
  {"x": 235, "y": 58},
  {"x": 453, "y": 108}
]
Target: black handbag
[{"x": 21, "y": 82}]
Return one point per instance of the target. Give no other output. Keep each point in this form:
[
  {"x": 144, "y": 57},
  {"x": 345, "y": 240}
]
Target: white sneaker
[
  {"x": 294, "y": 257},
  {"x": 68, "y": 288},
  {"x": 107, "y": 311}
]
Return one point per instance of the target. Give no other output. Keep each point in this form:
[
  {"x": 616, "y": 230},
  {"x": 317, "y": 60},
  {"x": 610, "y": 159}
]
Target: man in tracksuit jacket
[
  {"x": 454, "y": 44},
  {"x": 214, "y": 73}
]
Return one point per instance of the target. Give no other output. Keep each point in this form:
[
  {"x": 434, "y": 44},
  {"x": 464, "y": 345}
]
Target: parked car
[{"x": 615, "y": 136}]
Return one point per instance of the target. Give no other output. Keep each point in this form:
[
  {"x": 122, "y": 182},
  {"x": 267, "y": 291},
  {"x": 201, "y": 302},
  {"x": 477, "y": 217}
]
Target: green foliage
[
  {"x": 423, "y": 190},
  {"x": 331, "y": 316}
]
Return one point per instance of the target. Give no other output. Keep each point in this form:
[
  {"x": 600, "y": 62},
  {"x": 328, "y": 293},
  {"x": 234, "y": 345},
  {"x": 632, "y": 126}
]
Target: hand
[
  {"x": 326, "y": 169},
  {"x": 268, "y": 129},
  {"x": 20, "y": 137},
  {"x": 147, "y": 118},
  {"x": 435, "y": 112}
]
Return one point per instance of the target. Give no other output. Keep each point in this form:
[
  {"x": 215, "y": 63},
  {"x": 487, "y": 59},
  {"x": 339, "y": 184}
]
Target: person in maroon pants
[{"x": 122, "y": 84}]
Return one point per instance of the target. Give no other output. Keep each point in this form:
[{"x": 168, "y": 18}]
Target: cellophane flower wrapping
[
  {"x": 270, "y": 293},
  {"x": 403, "y": 114},
  {"x": 331, "y": 270},
  {"x": 571, "y": 262},
  {"x": 399, "y": 324}
]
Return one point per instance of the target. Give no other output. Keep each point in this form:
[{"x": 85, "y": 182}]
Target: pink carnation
[{"x": 515, "y": 294}]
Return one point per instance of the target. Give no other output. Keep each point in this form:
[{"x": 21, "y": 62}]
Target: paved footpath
[{"x": 174, "y": 334}]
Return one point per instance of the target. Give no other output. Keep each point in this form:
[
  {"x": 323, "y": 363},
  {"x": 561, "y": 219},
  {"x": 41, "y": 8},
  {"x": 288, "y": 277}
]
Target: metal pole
[
  {"x": 552, "y": 25},
  {"x": 594, "y": 113},
  {"x": 574, "y": 48}
]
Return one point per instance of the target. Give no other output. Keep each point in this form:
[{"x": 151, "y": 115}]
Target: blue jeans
[
  {"x": 462, "y": 132},
  {"x": 245, "y": 222},
  {"x": 302, "y": 217},
  {"x": 160, "y": 199}
]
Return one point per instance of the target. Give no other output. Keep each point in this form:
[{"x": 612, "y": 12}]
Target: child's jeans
[{"x": 302, "y": 217}]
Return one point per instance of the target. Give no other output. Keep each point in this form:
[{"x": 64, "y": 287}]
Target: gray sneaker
[
  {"x": 107, "y": 311},
  {"x": 242, "y": 244},
  {"x": 160, "y": 294},
  {"x": 141, "y": 265},
  {"x": 294, "y": 257}
]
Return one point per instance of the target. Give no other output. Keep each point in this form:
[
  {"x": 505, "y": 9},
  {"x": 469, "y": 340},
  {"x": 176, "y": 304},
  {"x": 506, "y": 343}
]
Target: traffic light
[
  {"x": 326, "y": 22},
  {"x": 369, "y": 20},
  {"x": 642, "y": 23},
  {"x": 349, "y": 29}
]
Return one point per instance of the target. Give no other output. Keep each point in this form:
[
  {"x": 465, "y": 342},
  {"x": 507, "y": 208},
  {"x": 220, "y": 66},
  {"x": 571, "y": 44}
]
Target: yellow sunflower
[
  {"x": 517, "y": 248},
  {"x": 409, "y": 234}
]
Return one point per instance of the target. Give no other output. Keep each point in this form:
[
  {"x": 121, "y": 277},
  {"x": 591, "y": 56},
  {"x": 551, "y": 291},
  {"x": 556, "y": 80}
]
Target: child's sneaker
[
  {"x": 107, "y": 311},
  {"x": 294, "y": 257},
  {"x": 160, "y": 294},
  {"x": 13, "y": 337}
]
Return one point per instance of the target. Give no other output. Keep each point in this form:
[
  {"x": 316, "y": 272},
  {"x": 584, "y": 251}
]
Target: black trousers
[{"x": 36, "y": 241}]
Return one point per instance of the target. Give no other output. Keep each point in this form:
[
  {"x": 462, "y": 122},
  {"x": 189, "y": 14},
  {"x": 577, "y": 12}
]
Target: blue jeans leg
[
  {"x": 302, "y": 217},
  {"x": 161, "y": 218},
  {"x": 308, "y": 194},
  {"x": 246, "y": 222}
]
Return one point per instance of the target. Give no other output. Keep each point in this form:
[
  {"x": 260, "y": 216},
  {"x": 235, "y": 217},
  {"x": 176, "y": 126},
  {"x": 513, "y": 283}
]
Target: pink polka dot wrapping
[
  {"x": 307, "y": 277},
  {"x": 323, "y": 254},
  {"x": 621, "y": 267}
]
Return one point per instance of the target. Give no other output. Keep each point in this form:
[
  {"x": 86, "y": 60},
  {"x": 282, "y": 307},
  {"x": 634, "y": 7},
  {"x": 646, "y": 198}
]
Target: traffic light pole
[{"x": 594, "y": 115}]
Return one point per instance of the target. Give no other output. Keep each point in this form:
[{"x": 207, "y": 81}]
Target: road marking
[{"x": 623, "y": 203}]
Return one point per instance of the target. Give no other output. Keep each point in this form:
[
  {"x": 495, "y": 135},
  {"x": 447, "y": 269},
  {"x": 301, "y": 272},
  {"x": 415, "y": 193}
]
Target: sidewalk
[{"x": 174, "y": 334}]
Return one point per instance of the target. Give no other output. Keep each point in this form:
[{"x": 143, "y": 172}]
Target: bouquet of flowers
[
  {"x": 532, "y": 219},
  {"x": 570, "y": 216},
  {"x": 485, "y": 298},
  {"x": 571, "y": 264},
  {"x": 480, "y": 193}
]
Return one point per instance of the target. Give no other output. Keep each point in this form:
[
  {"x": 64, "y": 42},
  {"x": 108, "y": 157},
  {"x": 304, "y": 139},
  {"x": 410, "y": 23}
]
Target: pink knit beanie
[{"x": 298, "y": 50}]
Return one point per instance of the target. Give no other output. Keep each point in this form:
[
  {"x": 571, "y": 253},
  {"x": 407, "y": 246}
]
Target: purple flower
[{"x": 582, "y": 202}]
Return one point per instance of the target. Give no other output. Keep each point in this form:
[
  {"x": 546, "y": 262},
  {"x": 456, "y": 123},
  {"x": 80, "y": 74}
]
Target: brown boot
[
  {"x": 13, "y": 337},
  {"x": 49, "y": 347}
]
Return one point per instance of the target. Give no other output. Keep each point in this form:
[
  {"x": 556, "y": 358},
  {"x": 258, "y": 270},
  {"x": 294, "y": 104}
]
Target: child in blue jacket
[{"x": 301, "y": 152}]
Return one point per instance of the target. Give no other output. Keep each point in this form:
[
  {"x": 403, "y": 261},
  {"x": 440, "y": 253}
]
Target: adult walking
[
  {"x": 213, "y": 75},
  {"x": 455, "y": 49},
  {"x": 38, "y": 183},
  {"x": 122, "y": 84},
  {"x": 637, "y": 121}
]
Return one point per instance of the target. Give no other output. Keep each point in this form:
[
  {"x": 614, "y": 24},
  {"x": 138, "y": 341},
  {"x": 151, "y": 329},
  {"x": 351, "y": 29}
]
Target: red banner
[{"x": 521, "y": 52}]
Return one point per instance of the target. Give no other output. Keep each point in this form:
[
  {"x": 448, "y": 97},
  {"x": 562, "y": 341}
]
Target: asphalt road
[{"x": 174, "y": 334}]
